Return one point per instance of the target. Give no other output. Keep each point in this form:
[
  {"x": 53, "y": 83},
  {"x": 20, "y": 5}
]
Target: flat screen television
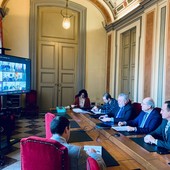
[{"x": 15, "y": 75}]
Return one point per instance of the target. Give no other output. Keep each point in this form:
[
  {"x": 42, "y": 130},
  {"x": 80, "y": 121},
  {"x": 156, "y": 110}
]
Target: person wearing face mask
[
  {"x": 147, "y": 121},
  {"x": 122, "y": 112}
]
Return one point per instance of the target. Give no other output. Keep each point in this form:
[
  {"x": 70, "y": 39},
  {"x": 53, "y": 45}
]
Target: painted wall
[
  {"x": 16, "y": 28},
  {"x": 16, "y": 37},
  {"x": 95, "y": 52}
]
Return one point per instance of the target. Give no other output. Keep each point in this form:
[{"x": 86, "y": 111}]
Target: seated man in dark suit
[
  {"x": 147, "y": 121},
  {"x": 109, "y": 104},
  {"x": 161, "y": 136},
  {"x": 122, "y": 112},
  {"x": 60, "y": 128}
]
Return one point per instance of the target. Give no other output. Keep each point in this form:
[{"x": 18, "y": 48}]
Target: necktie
[
  {"x": 119, "y": 114},
  {"x": 143, "y": 120},
  {"x": 166, "y": 128}
]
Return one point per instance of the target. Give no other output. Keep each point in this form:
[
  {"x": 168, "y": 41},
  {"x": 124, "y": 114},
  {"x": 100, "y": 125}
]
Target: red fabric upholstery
[
  {"x": 31, "y": 107},
  {"x": 48, "y": 118},
  {"x": 158, "y": 109},
  {"x": 43, "y": 154},
  {"x": 92, "y": 164},
  {"x": 137, "y": 108}
]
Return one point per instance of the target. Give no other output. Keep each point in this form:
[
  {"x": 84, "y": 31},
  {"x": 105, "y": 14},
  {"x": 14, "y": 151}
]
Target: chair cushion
[
  {"x": 92, "y": 164},
  {"x": 136, "y": 109},
  {"x": 41, "y": 153},
  {"x": 48, "y": 118}
]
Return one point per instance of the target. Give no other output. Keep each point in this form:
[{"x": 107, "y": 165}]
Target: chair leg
[{"x": 2, "y": 160}]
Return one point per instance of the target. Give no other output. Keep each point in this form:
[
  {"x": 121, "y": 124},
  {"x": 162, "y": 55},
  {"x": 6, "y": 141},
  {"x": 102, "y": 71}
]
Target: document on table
[
  {"x": 120, "y": 128},
  {"x": 78, "y": 110},
  {"x": 98, "y": 149},
  {"x": 96, "y": 112}
]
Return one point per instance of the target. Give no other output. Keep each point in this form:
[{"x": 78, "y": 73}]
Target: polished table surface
[{"x": 128, "y": 154}]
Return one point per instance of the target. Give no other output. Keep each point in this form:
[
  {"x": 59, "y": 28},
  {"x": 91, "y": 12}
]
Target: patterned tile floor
[{"x": 24, "y": 127}]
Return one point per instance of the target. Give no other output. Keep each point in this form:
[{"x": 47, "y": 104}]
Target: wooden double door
[{"x": 56, "y": 59}]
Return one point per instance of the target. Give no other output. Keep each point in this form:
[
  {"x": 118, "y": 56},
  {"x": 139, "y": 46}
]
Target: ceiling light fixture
[{"x": 66, "y": 17}]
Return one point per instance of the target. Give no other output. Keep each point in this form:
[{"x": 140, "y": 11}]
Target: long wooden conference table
[{"x": 127, "y": 153}]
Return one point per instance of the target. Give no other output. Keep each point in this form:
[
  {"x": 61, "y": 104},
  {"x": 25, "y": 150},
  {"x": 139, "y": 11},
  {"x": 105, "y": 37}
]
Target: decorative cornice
[
  {"x": 4, "y": 3},
  {"x": 133, "y": 14},
  {"x": 103, "y": 10}
]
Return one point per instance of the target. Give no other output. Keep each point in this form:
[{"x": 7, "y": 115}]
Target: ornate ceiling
[
  {"x": 112, "y": 10},
  {"x": 120, "y": 8}
]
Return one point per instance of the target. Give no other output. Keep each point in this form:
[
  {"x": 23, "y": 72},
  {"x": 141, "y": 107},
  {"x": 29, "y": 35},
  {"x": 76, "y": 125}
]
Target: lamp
[{"x": 66, "y": 17}]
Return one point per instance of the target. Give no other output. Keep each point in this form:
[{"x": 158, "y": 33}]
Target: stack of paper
[
  {"x": 98, "y": 149},
  {"x": 120, "y": 128},
  {"x": 78, "y": 110}
]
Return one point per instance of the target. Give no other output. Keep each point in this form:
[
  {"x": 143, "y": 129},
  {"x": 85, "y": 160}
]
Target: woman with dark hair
[{"x": 81, "y": 100}]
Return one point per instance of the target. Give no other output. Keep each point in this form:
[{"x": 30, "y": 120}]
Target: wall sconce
[{"x": 66, "y": 17}]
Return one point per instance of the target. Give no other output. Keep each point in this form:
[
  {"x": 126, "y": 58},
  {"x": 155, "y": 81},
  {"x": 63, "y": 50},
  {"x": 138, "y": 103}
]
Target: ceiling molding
[
  {"x": 131, "y": 15},
  {"x": 103, "y": 10},
  {"x": 4, "y": 3}
]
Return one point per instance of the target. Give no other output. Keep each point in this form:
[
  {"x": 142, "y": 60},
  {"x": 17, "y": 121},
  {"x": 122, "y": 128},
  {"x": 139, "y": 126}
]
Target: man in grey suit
[
  {"x": 60, "y": 128},
  {"x": 161, "y": 136}
]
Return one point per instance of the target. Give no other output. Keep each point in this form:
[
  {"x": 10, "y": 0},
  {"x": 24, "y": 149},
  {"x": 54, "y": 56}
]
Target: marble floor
[{"x": 24, "y": 127}]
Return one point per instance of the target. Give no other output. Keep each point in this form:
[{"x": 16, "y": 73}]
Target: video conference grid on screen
[{"x": 12, "y": 76}]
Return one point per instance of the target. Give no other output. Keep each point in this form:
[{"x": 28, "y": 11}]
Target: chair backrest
[
  {"x": 43, "y": 154},
  {"x": 137, "y": 108},
  {"x": 158, "y": 109},
  {"x": 31, "y": 98},
  {"x": 48, "y": 118},
  {"x": 92, "y": 164}
]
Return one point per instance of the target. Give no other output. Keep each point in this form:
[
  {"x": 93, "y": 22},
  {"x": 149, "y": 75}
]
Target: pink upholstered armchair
[
  {"x": 92, "y": 164},
  {"x": 43, "y": 154},
  {"x": 48, "y": 118}
]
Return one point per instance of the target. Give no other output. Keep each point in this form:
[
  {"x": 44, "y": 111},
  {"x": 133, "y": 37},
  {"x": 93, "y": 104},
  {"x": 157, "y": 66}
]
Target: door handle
[{"x": 57, "y": 84}]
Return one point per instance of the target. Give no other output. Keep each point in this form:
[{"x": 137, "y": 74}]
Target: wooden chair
[{"x": 43, "y": 154}]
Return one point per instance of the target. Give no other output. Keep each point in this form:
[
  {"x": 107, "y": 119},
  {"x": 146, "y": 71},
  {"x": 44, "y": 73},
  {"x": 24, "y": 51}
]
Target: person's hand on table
[
  {"x": 106, "y": 119},
  {"x": 95, "y": 109},
  {"x": 102, "y": 117},
  {"x": 73, "y": 106},
  {"x": 121, "y": 123},
  {"x": 149, "y": 139},
  {"x": 90, "y": 150},
  {"x": 130, "y": 129}
]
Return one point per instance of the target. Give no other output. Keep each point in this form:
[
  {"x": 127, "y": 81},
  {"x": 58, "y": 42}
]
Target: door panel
[
  {"x": 67, "y": 95},
  {"x": 132, "y": 62},
  {"x": 50, "y": 21},
  {"x": 47, "y": 76},
  {"x": 128, "y": 62},
  {"x": 47, "y": 97},
  {"x": 67, "y": 73},
  {"x": 125, "y": 62}
]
